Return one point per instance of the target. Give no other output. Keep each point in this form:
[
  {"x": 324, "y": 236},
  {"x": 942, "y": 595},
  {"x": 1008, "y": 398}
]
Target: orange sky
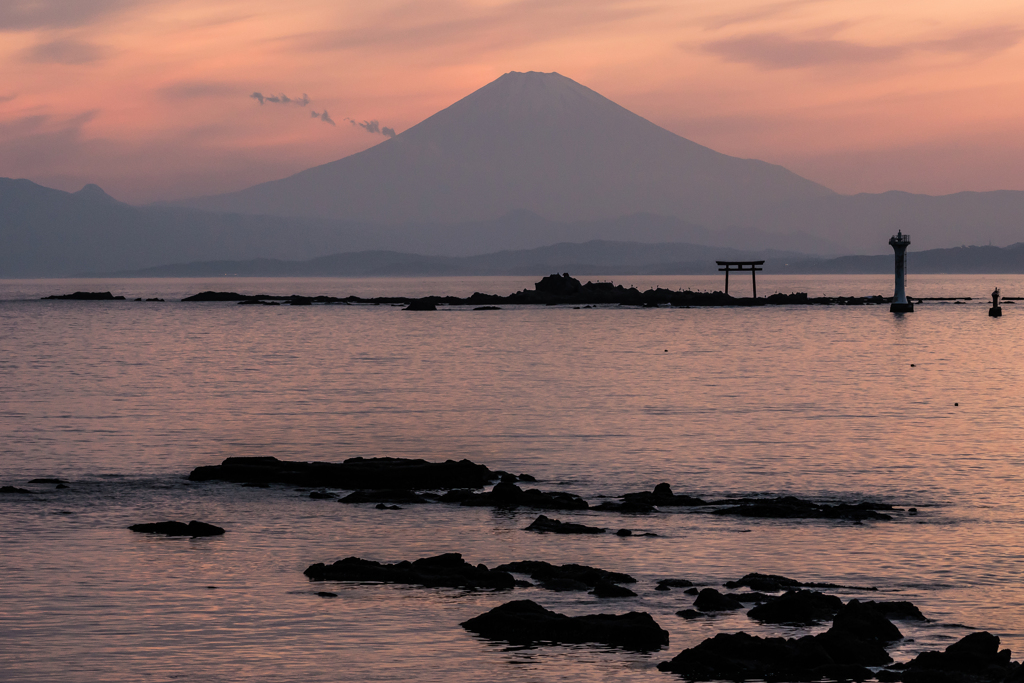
[{"x": 151, "y": 98}]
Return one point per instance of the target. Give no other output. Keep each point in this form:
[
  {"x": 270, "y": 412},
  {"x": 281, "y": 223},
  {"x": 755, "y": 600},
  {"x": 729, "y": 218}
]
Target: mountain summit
[{"x": 533, "y": 141}]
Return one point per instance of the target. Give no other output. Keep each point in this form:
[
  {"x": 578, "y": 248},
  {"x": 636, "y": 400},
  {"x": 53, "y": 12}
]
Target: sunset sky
[{"x": 152, "y": 99}]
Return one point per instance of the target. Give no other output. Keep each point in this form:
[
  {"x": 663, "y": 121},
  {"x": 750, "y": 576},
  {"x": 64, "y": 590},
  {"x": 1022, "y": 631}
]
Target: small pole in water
[{"x": 996, "y": 309}]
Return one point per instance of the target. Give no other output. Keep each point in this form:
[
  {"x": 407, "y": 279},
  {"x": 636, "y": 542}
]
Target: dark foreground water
[{"x": 124, "y": 399}]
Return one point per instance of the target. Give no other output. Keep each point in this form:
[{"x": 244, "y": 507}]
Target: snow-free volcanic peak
[{"x": 535, "y": 141}]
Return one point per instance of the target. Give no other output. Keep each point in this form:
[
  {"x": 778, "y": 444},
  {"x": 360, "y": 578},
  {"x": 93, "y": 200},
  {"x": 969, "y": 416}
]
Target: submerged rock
[
  {"x": 382, "y": 506},
  {"x": 194, "y": 529},
  {"x": 668, "y": 584},
  {"x": 545, "y": 524},
  {"x": 509, "y": 496},
  {"x": 773, "y": 583},
  {"x": 790, "y": 507},
  {"x": 553, "y": 576},
  {"x": 441, "y": 571},
  {"x": 625, "y": 508},
  {"x": 322, "y": 495},
  {"x": 13, "y": 489},
  {"x": 354, "y": 473},
  {"x": 524, "y": 622},
  {"x": 47, "y": 480},
  {"x": 420, "y": 305},
  {"x": 797, "y": 607},
  {"x": 384, "y": 496}
]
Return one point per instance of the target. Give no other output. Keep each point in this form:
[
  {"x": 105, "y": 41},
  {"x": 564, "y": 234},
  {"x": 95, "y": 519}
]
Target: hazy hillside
[{"x": 596, "y": 257}]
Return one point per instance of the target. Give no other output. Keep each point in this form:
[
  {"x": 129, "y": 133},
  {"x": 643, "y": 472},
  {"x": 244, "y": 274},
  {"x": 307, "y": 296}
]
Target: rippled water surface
[{"x": 123, "y": 399}]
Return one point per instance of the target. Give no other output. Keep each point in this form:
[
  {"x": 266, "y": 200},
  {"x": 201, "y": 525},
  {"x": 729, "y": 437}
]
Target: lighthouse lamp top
[{"x": 899, "y": 239}]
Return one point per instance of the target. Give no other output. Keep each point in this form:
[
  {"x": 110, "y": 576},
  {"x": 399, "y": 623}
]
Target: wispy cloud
[
  {"x": 63, "y": 51},
  {"x": 758, "y": 13},
  {"x": 780, "y": 51},
  {"x": 280, "y": 99},
  {"x": 323, "y": 116},
  {"x": 191, "y": 90},
  {"x": 27, "y": 15},
  {"x": 373, "y": 127}
]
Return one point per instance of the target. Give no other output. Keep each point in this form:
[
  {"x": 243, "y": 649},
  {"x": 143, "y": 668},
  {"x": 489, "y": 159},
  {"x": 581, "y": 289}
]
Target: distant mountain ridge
[{"x": 597, "y": 257}]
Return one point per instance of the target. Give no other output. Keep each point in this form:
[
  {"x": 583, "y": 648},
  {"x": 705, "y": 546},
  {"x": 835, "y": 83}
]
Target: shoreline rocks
[
  {"x": 440, "y": 571},
  {"x": 566, "y": 576},
  {"x": 524, "y": 622},
  {"x": 508, "y": 496},
  {"x": 194, "y": 529},
  {"x": 353, "y": 473},
  {"x": 790, "y": 507},
  {"x": 85, "y": 296}
]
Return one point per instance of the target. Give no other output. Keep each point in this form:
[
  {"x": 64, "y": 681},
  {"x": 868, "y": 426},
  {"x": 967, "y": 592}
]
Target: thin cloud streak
[
  {"x": 27, "y": 15},
  {"x": 779, "y": 51},
  {"x": 64, "y": 51}
]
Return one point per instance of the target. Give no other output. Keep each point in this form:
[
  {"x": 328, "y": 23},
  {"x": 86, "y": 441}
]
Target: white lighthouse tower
[{"x": 899, "y": 242}]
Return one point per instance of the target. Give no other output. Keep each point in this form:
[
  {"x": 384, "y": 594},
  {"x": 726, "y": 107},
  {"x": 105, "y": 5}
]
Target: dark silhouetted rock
[
  {"x": 354, "y": 473},
  {"x": 322, "y": 495},
  {"x": 62, "y": 486},
  {"x": 690, "y": 614},
  {"x": 773, "y": 583},
  {"x": 86, "y": 296},
  {"x": 544, "y": 524},
  {"x": 759, "y": 598},
  {"x": 897, "y": 609},
  {"x": 487, "y": 308},
  {"x": 667, "y": 584},
  {"x": 13, "y": 489},
  {"x": 790, "y": 507},
  {"x": 194, "y": 529},
  {"x": 692, "y": 591},
  {"x": 382, "y": 506},
  {"x": 327, "y": 594},
  {"x": 509, "y": 496},
  {"x": 623, "y": 532},
  {"x": 710, "y": 600},
  {"x": 975, "y": 658},
  {"x": 384, "y": 496},
  {"x": 47, "y": 480},
  {"x": 223, "y": 296},
  {"x": 662, "y": 496},
  {"x": 549, "y": 574},
  {"x": 527, "y": 477},
  {"x": 420, "y": 305},
  {"x": 797, "y": 607},
  {"x": 524, "y": 622},
  {"x": 442, "y": 571},
  {"x": 740, "y": 656},
  {"x": 610, "y": 590}
]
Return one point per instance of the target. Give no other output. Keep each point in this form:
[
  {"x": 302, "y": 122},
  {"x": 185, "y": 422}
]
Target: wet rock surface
[
  {"x": 544, "y": 524},
  {"x": 555, "y": 577},
  {"x": 524, "y": 622},
  {"x": 441, "y": 571},
  {"x": 508, "y": 496},
  {"x": 354, "y": 473},
  {"x": 194, "y": 529}
]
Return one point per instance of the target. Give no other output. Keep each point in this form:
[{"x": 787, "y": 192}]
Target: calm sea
[{"x": 123, "y": 399}]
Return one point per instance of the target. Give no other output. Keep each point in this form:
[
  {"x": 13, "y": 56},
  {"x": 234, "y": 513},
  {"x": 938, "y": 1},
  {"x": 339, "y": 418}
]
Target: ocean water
[{"x": 123, "y": 399}]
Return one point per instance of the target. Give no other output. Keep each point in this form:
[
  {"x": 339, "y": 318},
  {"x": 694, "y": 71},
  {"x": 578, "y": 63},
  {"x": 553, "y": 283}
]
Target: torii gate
[{"x": 741, "y": 266}]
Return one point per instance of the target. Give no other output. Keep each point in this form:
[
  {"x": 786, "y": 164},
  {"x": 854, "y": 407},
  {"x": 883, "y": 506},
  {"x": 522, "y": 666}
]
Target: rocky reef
[{"x": 441, "y": 571}]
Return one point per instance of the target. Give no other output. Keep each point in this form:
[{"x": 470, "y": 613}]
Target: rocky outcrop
[
  {"x": 354, "y": 473},
  {"x": 86, "y": 296},
  {"x": 194, "y": 529},
  {"x": 13, "y": 489},
  {"x": 975, "y": 658},
  {"x": 566, "y": 576},
  {"x": 545, "y": 524},
  {"x": 797, "y": 607},
  {"x": 611, "y": 590},
  {"x": 669, "y": 584},
  {"x": 509, "y": 496},
  {"x": 524, "y": 622},
  {"x": 441, "y": 571},
  {"x": 773, "y": 583}
]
